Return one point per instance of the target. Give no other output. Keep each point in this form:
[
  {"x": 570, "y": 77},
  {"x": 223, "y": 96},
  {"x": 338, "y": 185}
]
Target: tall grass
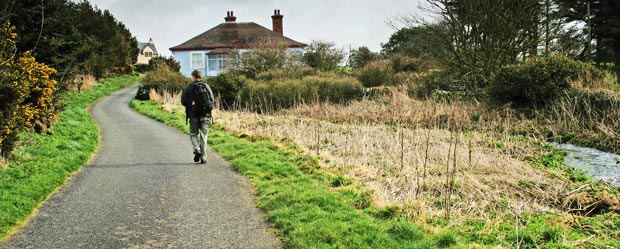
[
  {"x": 419, "y": 155},
  {"x": 268, "y": 96},
  {"x": 586, "y": 118}
]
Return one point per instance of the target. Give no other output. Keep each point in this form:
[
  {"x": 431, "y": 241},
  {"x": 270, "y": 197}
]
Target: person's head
[{"x": 196, "y": 75}]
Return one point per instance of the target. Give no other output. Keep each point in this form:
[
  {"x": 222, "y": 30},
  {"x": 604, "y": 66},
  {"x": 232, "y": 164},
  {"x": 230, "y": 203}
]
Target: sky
[{"x": 347, "y": 23}]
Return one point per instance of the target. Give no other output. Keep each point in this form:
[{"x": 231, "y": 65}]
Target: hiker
[{"x": 198, "y": 101}]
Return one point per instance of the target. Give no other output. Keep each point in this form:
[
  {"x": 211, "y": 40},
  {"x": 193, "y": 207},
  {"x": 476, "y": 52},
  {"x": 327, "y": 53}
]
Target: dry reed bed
[
  {"x": 421, "y": 161},
  {"x": 416, "y": 169}
]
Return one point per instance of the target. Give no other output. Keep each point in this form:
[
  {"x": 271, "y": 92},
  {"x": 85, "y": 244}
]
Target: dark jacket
[{"x": 185, "y": 101}]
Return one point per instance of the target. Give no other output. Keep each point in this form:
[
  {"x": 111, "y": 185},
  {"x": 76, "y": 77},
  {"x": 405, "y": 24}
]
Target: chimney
[
  {"x": 277, "y": 22},
  {"x": 230, "y": 17},
  {"x": 151, "y": 40}
]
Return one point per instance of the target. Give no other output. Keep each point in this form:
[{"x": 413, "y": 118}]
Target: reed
[{"x": 432, "y": 159}]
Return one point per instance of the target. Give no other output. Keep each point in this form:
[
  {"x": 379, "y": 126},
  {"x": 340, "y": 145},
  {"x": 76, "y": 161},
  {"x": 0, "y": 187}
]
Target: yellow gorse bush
[{"x": 25, "y": 91}]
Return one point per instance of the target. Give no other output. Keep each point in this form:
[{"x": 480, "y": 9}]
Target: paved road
[{"x": 142, "y": 190}]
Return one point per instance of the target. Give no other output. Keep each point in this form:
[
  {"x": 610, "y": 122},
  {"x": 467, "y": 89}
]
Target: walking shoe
[
  {"x": 202, "y": 161},
  {"x": 196, "y": 156}
]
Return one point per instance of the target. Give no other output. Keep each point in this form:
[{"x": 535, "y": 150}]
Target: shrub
[
  {"x": 376, "y": 73},
  {"x": 323, "y": 56},
  {"x": 268, "y": 55},
  {"x": 142, "y": 68},
  {"x": 226, "y": 87},
  {"x": 406, "y": 64},
  {"x": 428, "y": 83},
  {"x": 259, "y": 95},
  {"x": 25, "y": 92},
  {"x": 161, "y": 79},
  {"x": 167, "y": 62},
  {"x": 360, "y": 57},
  {"x": 539, "y": 81},
  {"x": 295, "y": 71}
]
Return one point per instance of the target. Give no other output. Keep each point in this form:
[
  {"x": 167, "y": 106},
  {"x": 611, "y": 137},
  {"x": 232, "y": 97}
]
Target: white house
[
  {"x": 147, "y": 52},
  {"x": 212, "y": 50}
]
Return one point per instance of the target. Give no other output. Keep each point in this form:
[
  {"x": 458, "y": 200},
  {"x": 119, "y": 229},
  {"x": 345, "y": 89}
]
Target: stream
[{"x": 598, "y": 165}]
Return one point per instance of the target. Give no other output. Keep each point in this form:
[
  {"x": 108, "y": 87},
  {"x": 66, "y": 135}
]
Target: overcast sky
[{"x": 347, "y": 23}]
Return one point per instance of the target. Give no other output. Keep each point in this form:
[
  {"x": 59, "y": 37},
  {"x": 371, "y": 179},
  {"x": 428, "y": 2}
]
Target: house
[
  {"x": 212, "y": 51},
  {"x": 147, "y": 51}
]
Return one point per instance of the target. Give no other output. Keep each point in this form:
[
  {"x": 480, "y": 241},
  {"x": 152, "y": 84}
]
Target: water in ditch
[{"x": 598, "y": 165}]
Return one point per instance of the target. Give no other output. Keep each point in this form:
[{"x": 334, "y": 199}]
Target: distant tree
[
  {"x": 411, "y": 41},
  {"x": 71, "y": 37},
  {"x": 604, "y": 24},
  {"x": 478, "y": 37},
  {"x": 109, "y": 46},
  {"x": 358, "y": 58},
  {"x": 323, "y": 55}
]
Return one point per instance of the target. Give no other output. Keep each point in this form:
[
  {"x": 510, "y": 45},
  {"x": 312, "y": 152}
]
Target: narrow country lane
[{"x": 142, "y": 190}]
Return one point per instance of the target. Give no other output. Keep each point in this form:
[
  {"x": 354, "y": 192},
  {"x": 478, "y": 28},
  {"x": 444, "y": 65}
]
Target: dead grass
[
  {"x": 431, "y": 159},
  {"x": 404, "y": 170},
  {"x": 83, "y": 82},
  {"x": 170, "y": 101}
]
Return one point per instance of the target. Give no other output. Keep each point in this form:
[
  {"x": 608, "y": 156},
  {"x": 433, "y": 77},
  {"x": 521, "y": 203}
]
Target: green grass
[
  {"x": 300, "y": 200},
  {"x": 41, "y": 163}
]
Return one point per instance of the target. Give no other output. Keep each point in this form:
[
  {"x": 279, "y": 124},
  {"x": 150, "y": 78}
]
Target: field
[{"x": 447, "y": 166}]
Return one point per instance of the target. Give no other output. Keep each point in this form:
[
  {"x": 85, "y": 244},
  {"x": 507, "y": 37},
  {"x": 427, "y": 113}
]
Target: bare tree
[{"x": 477, "y": 37}]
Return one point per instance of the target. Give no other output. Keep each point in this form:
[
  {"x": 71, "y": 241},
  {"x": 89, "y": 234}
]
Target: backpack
[{"x": 201, "y": 100}]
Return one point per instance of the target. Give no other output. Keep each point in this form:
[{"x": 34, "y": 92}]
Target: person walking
[{"x": 198, "y": 99}]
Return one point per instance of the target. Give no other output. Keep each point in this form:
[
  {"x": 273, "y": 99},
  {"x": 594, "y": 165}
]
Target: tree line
[
  {"x": 481, "y": 36},
  {"x": 44, "y": 45}
]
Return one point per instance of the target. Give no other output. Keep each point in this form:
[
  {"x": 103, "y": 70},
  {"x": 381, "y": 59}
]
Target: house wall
[
  {"x": 142, "y": 59},
  {"x": 183, "y": 57}
]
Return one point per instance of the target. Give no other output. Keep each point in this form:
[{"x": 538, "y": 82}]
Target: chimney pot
[{"x": 230, "y": 17}]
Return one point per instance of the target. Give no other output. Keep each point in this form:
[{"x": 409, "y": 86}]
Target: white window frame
[
  {"x": 202, "y": 60},
  {"x": 222, "y": 62}
]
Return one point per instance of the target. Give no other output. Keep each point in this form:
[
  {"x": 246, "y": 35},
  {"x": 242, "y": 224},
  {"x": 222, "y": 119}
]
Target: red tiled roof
[{"x": 234, "y": 35}]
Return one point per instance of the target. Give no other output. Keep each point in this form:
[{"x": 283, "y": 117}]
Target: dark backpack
[{"x": 201, "y": 100}]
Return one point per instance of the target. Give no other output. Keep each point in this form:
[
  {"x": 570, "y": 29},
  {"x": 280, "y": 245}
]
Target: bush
[
  {"x": 323, "y": 56},
  {"x": 267, "y": 56},
  {"x": 161, "y": 79},
  {"x": 226, "y": 87},
  {"x": 259, "y": 95},
  {"x": 539, "y": 81},
  {"x": 167, "y": 62},
  {"x": 376, "y": 73},
  {"x": 25, "y": 93},
  {"x": 406, "y": 64},
  {"x": 428, "y": 83},
  {"x": 296, "y": 71},
  {"x": 142, "y": 68}
]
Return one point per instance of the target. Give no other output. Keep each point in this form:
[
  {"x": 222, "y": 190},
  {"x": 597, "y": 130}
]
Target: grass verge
[
  {"x": 297, "y": 198},
  {"x": 41, "y": 163}
]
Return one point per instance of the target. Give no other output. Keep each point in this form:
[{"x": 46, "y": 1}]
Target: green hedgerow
[{"x": 539, "y": 81}]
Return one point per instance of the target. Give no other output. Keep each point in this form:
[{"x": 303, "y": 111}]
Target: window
[
  {"x": 148, "y": 54},
  {"x": 219, "y": 62},
  {"x": 197, "y": 60}
]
